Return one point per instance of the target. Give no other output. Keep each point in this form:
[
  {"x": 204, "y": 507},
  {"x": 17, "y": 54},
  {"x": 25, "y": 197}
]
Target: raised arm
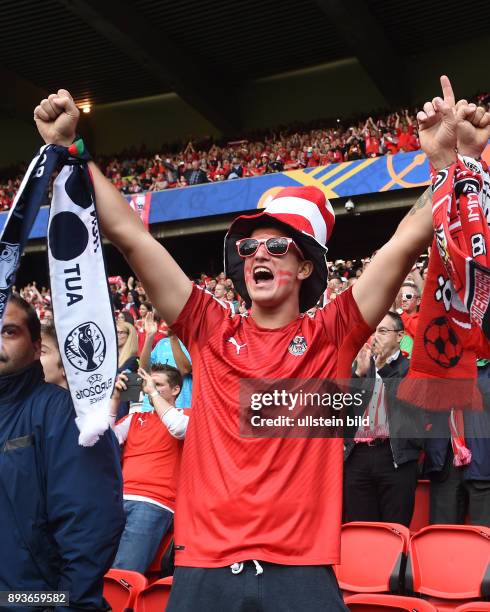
[
  {"x": 376, "y": 289},
  {"x": 167, "y": 286},
  {"x": 150, "y": 329},
  {"x": 181, "y": 360}
]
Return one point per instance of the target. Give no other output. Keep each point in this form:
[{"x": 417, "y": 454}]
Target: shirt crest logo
[{"x": 298, "y": 346}]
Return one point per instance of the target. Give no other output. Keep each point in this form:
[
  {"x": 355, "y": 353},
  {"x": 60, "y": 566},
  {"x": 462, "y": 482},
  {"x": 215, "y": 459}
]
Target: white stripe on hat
[{"x": 305, "y": 208}]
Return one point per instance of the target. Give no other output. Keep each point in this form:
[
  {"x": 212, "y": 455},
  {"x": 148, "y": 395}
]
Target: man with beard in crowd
[{"x": 61, "y": 504}]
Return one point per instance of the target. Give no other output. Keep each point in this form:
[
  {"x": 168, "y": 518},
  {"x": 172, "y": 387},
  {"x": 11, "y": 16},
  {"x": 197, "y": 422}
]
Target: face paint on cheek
[{"x": 284, "y": 278}]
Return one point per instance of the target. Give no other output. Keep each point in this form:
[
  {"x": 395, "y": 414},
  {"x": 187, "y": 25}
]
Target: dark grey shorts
[{"x": 279, "y": 588}]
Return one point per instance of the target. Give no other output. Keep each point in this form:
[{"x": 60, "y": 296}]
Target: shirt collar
[{"x": 394, "y": 357}]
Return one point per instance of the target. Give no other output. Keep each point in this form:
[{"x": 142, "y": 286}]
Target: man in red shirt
[
  {"x": 258, "y": 520},
  {"x": 150, "y": 462},
  {"x": 410, "y": 301}
]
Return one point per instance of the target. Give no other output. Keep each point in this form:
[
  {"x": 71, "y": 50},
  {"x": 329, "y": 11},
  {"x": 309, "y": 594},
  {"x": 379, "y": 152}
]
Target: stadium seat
[
  {"x": 374, "y": 602},
  {"x": 372, "y": 558},
  {"x": 121, "y": 588},
  {"x": 420, "y": 516},
  {"x": 449, "y": 564},
  {"x": 155, "y": 597},
  {"x": 474, "y": 606}
]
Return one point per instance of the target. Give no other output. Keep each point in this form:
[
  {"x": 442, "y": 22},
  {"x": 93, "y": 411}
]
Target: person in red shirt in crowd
[
  {"x": 5, "y": 201},
  {"x": 371, "y": 141},
  {"x": 407, "y": 141},
  {"x": 131, "y": 305},
  {"x": 292, "y": 162},
  {"x": 150, "y": 464},
  {"x": 338, "y": 154},
  {"x": 269, "y": 507},
  {"x": 251, "y": 169},
  {"x": 410, "y": 302},
  {"x": 143, "y": 310},
  {"x": 373, "y": 144},
  {"x": 312, "y": 157},
  {"x": 389, "y": 143},
  {"x": 263, "y": 164}
]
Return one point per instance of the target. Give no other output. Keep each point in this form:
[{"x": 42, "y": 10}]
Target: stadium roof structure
[{"x": 206, "y": 50}]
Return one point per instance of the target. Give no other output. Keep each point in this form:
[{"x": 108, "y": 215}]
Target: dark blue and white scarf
[{"x": 81, "y": 302}]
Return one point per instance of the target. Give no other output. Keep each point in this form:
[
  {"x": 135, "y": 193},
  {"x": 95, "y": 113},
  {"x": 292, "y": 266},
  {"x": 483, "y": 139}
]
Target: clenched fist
[{"x": 56, "y": 118}]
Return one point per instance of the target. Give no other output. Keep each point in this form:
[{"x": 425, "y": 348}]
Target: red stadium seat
[
  {"x": 374, "y": 602},
  {"x": 420, "y": 516},
  {"x": 449, "y": 564},
  {"x": 155, "y": 597},
  {"x": 474, "y": 606},
  {"x": 121, "y": 588},
  {"x": 372, "y": 557}
]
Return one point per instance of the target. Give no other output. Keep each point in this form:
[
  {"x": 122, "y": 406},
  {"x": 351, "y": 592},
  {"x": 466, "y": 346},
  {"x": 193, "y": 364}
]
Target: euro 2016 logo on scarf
[{"x": 85, "y": 347}]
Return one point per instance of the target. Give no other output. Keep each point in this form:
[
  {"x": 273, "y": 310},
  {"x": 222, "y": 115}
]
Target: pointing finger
[{"x": 447, "y": 90}]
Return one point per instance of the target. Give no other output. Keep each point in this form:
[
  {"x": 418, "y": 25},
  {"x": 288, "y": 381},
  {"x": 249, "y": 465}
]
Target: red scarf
[{"x": 454, "y": 318}]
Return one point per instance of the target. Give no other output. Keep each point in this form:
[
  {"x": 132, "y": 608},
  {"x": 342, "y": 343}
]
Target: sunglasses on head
[{"x": 277, "y": 246}]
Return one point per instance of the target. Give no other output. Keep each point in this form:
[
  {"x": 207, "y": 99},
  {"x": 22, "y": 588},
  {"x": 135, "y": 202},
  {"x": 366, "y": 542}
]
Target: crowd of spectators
[
  {"x": 294, "y": 147},
  {"x": 131, "y": 303}
]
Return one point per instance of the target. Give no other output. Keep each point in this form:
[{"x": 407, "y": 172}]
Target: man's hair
[
  {"x": 397, "y": 320},
  {"x": 174, "y": 377},
  {"x": 33, "y": 322},
  {"x": 47, "y": 329},
  {"x": 412, "y": 286}
]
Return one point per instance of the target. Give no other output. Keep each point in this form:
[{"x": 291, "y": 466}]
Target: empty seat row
[{"x": 448, "y": 565}]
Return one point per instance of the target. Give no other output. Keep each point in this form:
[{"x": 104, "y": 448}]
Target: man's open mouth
[{"x": 262, "y": 275}]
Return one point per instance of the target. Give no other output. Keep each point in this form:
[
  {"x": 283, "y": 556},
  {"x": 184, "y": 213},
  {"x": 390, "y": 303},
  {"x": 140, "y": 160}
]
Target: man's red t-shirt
[
  {"x": 151, "y": 459},
  {"x": 410, "y": 322},
  {"x": 276, "y": 500}
]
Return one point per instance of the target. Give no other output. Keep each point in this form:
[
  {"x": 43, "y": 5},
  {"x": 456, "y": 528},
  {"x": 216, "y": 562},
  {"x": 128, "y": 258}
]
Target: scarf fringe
[
  {"x": 462, "y": 457},
  {"x": 439, "y": 394},
  {"x": 92, "y": 426}
]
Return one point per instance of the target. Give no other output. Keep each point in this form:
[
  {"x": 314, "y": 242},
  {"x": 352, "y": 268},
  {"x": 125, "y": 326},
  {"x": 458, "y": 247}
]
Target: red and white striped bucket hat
[{"x": 305, "y": 214}]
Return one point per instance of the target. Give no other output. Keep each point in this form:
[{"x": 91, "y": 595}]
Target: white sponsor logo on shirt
[{"x": 236, "y": 345}]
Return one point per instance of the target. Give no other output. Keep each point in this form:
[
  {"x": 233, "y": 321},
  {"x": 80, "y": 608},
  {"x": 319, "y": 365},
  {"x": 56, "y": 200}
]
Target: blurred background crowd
[{"x": 319, "y": 143}]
